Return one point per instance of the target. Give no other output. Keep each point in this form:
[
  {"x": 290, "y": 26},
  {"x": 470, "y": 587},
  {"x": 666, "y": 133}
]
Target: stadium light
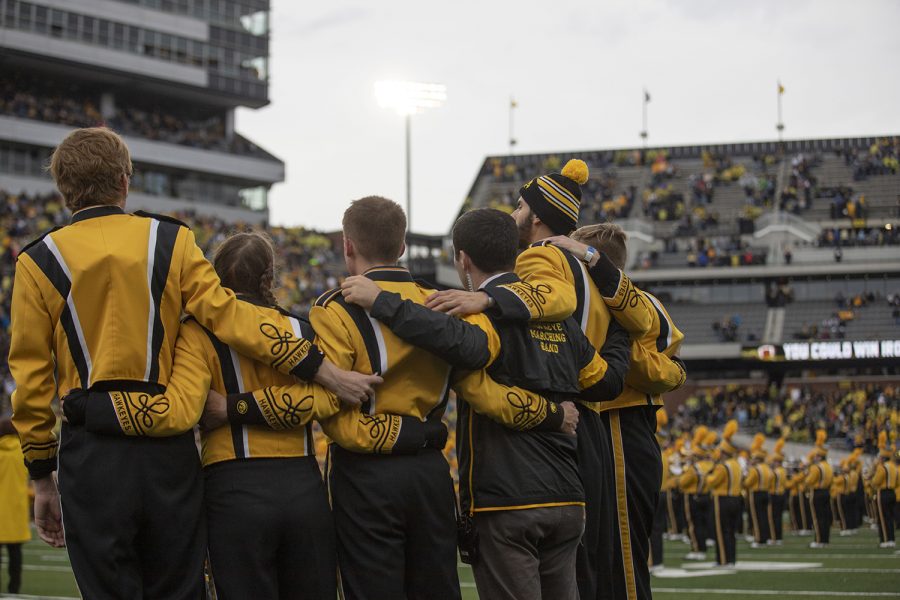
[{"x": 408, "y": 98}]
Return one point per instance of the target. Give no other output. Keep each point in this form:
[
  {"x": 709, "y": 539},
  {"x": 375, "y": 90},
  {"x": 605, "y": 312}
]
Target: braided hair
[{"x": 245, "y": 263}]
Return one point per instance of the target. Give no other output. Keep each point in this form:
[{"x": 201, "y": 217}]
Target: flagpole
[
  {"x": 780, "y": 125},
  {"x": 644, "y": 118},
  {"x": 512, "y": 139}
]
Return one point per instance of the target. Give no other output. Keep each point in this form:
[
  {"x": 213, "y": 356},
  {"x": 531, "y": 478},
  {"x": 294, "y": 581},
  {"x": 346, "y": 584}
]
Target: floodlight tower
[{"x": 408, "y": 98}]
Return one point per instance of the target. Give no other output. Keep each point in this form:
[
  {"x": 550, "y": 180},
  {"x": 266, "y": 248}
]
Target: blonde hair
[
  {"x": 606, "y": 237},
  {"x": 88, "y": 166}
]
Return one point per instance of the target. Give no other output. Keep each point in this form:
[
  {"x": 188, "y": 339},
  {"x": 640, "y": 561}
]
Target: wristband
[{"x": 589, "y": 255}]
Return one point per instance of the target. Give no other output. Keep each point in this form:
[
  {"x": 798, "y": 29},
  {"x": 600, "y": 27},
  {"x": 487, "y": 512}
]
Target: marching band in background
[{"x": 706, "y": 490}]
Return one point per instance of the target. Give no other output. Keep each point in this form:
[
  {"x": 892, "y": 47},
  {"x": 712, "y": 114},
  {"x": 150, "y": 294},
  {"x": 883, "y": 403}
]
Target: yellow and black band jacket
[
  {"x": 97, "y": 305},
  {"x": 269, "y": 414},
  {"x": 885, "y": 476},
  {"x": 819, "y": 476},
  {"x": 760, "y": 478},
  {"x": 555, "y": 285},
  {"x": 502, "y": 469},
  {"x": 693, "y": 479},
  {"x": 779, "y": 481},
  {"x": 405, "y": 411},
  {"x": 725, "y": 478}
]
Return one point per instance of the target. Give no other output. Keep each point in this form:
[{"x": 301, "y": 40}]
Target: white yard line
[
  {"x": 774, "y": 592},
  {"x": 47, "y": 568}
]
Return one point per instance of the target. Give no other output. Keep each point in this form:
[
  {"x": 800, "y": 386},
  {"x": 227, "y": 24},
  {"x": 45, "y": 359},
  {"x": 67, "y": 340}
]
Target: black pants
[
  {"x": 637, "y": 475},
  {"x": 759, "y": 516},
  {"x": 14, "y": 551},
  {"x": 727, "y": 513},
  {"x": 593, "y": 561},
  {"x": 674, "y": 511},
  {"x": 698, "y": 510},
  {"x": 839, "y": 503},
  {"x": 859, "y": 505},
  {"x": 851, "y": 510},
  {"x": 776, "y": 516},
  {"x": 395, "y": 524},
  {"x": 803, "y": 511},
  {"x": 820, "y": 503},
  {"x": 884, "y": 506},
  {"x": 656, "y": 534},
  {"x": 133, "y": 515},
  {"x": 271, "y": 534}
]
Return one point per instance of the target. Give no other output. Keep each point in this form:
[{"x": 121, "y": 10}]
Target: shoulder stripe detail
[
  {"x": 366, "y": 329},
  {"x": 664, "y": 340},
  {"x": 49, "y": 260},
  {"x": 582, "y": 290},
  {"x": 38, "y": 240},
  {"x": 328, "y": 296},
  {"x": 160, "y": 248},
  {"x": 233, "y": 385}
]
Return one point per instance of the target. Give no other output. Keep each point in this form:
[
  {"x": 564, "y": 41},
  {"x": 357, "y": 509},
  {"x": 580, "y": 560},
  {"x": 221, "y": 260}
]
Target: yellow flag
[{"x": 780, "y": 88}]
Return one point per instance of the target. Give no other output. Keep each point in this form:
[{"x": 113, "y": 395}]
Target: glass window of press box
[
  {"x": 236, "y": 55},
  {"x": 30, "y": 161}
]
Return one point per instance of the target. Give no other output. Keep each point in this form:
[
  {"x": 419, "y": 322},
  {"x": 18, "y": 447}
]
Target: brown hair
[
  {"x": 606, "y": 237},
  {"x": 88, "y": 165},
  {"x": 245, "y": 263},
  {"x": 377, "y": 228}
]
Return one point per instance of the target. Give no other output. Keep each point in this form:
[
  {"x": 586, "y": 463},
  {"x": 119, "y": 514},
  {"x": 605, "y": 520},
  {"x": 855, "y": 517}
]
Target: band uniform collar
[
  {"x": 499, "y": 279},
  {"x": 395, "y": 274},
  {"x": 97, "y": 211}
]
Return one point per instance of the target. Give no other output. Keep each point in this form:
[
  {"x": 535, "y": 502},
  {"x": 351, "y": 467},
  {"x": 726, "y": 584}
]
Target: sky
[{"x": 576, "y": 70}]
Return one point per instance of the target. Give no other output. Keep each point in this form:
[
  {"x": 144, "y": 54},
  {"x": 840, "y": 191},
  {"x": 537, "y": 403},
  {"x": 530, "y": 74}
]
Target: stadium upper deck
[
  {"x": 167, "y": 75},
  {"x": 752, "y": 246}
]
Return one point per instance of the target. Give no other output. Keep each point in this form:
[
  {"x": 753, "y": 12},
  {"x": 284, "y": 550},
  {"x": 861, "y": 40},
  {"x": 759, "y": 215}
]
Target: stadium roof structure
[{"x": 167, "y": 76}]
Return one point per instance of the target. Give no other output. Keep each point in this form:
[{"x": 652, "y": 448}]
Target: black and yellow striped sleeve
[
  {"x": 282, "y": 407},
  {"x": 653, "y": 372},
  {"x": 32, "y": 367},
  {"x": 511, "y": 406},
  {"x": 273, "y": 339},
  {"x": 469, "y": 343},
  {"x": 625, "y": 302},
  {"x": 170, "y": 413},
  {"x": 544, "y": 292}
]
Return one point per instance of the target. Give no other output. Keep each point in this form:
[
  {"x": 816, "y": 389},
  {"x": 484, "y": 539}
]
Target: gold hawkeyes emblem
[{"x": 242, "y": 407}]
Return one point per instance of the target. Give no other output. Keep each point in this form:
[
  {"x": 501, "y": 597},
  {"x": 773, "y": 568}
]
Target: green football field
[{"x": 851, "y": 567}]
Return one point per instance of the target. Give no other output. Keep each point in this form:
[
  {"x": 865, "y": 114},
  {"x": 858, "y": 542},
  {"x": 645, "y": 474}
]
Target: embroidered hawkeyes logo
[{"x": 242, "y": 407}]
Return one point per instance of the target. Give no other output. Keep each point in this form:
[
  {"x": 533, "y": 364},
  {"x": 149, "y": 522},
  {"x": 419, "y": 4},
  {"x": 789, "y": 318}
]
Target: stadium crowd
[
  {"x": 852, "y": 414},
  {"x": 25, "y": 97},
  {"x": 881, "y": 158}
]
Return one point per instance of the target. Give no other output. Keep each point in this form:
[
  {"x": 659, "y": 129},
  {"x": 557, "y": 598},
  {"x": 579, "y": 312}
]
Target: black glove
[
  {"x": 606, "y": 276},
  {"x": 75, "y": 406},
  {"x": 435, "y": 434}
]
